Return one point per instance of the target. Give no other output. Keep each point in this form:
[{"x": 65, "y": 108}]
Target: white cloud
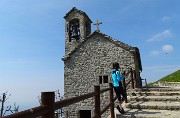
[
  {"x": 160, "y": 36},
  {"x": 167, "y": 48},
  {"x": 154, "y": 53},
  {"x": 165, "y": 18}
]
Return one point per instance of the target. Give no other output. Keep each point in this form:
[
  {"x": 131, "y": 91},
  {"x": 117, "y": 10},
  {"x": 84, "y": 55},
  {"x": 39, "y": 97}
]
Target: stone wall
[{"x": 82, "y": 70}]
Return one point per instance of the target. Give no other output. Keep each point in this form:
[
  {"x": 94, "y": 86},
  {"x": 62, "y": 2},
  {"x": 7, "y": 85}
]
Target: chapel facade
[{"x": 88, "y": 61}]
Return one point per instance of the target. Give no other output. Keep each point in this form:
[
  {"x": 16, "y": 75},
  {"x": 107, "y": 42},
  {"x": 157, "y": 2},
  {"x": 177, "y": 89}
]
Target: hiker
[{"x": 117, "y": 77}]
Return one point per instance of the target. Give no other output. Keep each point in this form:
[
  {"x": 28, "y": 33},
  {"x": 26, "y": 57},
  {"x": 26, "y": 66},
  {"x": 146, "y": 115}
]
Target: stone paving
[
  {"x": 148, "y": 113},
  {"x": 154, "y": 102}
]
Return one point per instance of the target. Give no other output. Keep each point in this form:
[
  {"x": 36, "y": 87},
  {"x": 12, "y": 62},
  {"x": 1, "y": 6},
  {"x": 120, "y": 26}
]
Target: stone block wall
[{"x": 84, "y": 66}]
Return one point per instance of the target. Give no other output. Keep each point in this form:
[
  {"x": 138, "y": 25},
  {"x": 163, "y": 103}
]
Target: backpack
[{"x": 114, "y": 71}]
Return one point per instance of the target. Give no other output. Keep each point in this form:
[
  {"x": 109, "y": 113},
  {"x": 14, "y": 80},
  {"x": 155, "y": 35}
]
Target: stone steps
[
  {"x": 154, "y": 98},
  {"x": 172, "y": 84},
  {"x": 156, "y": 89},
  {"x": 167, "y": 105},
  {"x": 169, "y": 93},
  {"x": 152, "y": 102},
  {"x": 147, "y": 113}
]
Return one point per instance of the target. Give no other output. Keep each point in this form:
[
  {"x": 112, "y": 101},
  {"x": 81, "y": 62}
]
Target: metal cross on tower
[{"x": 97, "y": 24}]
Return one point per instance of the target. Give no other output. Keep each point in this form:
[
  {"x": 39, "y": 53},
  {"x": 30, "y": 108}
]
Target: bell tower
[{"x": 77, "y": 28}]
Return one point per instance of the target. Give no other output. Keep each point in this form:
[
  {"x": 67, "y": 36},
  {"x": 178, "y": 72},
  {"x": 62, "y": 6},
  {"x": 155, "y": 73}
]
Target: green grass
[{"x": 173, "y": 77}]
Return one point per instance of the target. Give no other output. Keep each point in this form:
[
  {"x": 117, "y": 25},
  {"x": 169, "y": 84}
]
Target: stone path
[
  {"x": 148, "y": 113},
  {"x": 156, "y": 102}
]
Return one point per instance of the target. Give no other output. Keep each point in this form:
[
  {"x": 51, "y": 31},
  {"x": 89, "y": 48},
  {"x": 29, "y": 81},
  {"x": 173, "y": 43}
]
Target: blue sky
[{"x": 32, "y": 40}]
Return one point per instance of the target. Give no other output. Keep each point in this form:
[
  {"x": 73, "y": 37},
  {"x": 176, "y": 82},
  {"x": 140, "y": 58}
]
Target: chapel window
[
  {"x": 100, "y": 79},
  {"x": 103, "y": 79}
]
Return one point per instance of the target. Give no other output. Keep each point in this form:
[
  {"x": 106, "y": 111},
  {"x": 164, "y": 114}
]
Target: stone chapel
[{"x": 88, "y": 61}]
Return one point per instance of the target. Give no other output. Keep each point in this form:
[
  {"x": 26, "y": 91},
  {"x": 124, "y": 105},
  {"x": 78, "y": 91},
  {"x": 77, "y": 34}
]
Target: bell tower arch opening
[
  {"x": 77, "y": 28},
  {"x": 74, "y": 31}
]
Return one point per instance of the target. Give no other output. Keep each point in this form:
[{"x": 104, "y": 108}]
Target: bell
[{"x": 75, "y": 33}]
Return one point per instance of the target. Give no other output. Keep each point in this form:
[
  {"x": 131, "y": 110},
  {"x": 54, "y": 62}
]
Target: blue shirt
[{"x": 116, "y": 77}]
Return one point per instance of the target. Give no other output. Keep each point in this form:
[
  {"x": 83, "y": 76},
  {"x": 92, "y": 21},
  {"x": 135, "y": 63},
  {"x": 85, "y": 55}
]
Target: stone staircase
[{"x": 154, "y": 102}]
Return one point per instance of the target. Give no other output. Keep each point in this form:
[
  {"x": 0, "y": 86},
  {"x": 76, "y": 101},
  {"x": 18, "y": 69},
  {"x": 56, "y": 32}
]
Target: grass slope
[{"x": 173, "y": 77}]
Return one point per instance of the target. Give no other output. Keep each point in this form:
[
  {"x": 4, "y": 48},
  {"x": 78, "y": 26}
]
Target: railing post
[
  {"x": 124, "y": 81},
  {"x": 48, "y": 99},
  {"x": 132, "y": 80},
  {"x": 111, "y": 100},
  {"x": 97, "y": 111},
  {"x": 124, "y": 85},
  {"x": 145, "y": 82}
]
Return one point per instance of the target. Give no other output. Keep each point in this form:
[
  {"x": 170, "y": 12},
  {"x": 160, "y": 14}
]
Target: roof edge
[
  {"x": 121, "y": 44},
  {"x": 75, "y": 9}
]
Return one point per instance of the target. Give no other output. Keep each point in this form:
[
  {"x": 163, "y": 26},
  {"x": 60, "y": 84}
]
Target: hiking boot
[{"x": 120, "y": 110}]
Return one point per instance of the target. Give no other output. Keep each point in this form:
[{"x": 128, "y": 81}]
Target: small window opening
[
  {"x": 85, "y": 113},
  {"x": 100, "y": 79},
  {"x": 103, "y": 79}
]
